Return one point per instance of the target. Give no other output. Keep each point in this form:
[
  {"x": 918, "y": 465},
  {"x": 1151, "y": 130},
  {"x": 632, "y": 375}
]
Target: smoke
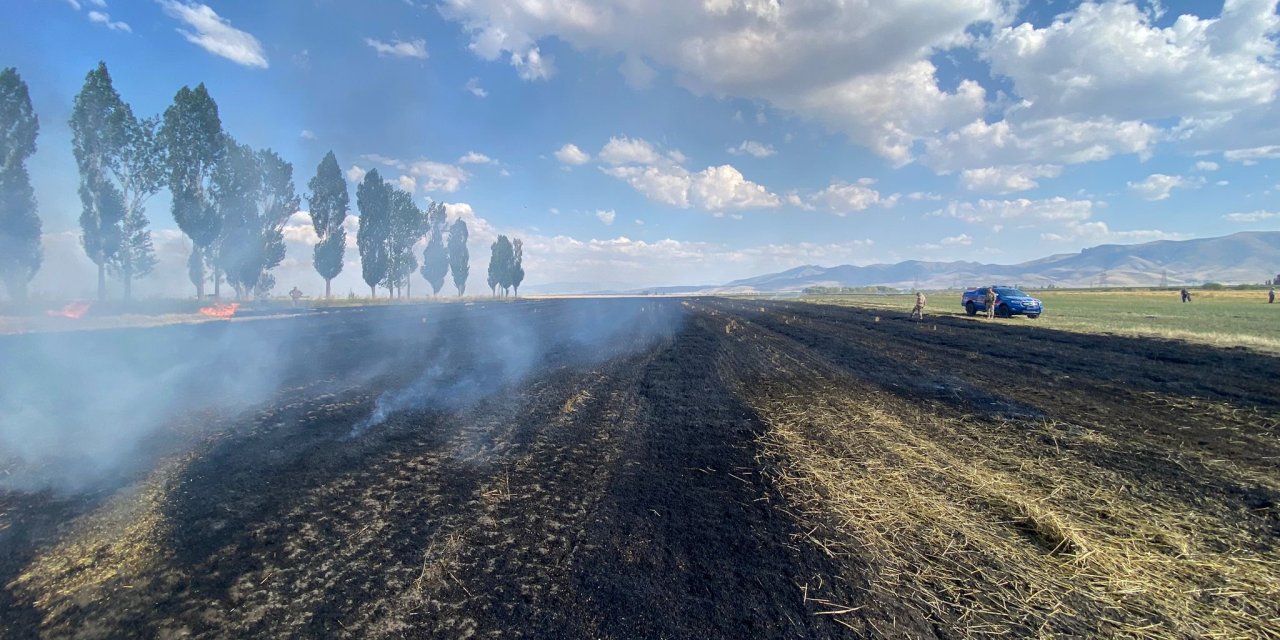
[
  {"x": 492, "y": 349},
  {"x": 85, "y": 409},
  {"x": 79, "y": 407}
]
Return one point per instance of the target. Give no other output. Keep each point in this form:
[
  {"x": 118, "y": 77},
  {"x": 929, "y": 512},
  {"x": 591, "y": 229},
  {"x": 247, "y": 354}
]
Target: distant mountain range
[{"x": 1247, "y": 257}]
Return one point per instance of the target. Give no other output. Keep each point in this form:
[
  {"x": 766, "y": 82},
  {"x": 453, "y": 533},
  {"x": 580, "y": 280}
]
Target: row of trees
[{"x": 230, "y": 200}]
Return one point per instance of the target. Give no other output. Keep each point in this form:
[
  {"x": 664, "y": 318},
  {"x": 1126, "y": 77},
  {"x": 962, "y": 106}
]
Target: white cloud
[
  {"x": 1051, "y": 209},
  {"x": 1251, "y": 155},
  {"x": 1158, "y": 185},
  {"x": 1056, "y": 140},
  {"x": 307, "y": 134},
  {"x": 753, "y": 148},
  {"x": 606, "y": 216},
  {"x": 883, "y": 93},
  {"x": 625, "y": 150},
  {"x": 408, "y": 183},
  {"x": 962, "y": 240},
  {"x": 214, "y": 34},
  {"x": 843, "y": 198},
  {"x": 105, "y": 20},
  {"x": 664, "y": 185},
  {"x": 724, "y": 187},
  {"x": 1253, "y": 216},
  {"x": 661, "y": 177},
  {"x": 1205, "y": 165},
  {"x": 1007, "y": 179},
  {"x": 399, "y": 48},
  {"x": 570, "y": 154},
  {"x": 355, "y": 173},
  {"x": 473, "y": 86},
  {"x": 923, "y": 195},
  {"x": 74, "y": 4},
  {"x": 532, "y": 65},
  {"x": 1098, "y": 231},
  {"x": 637, "y": 73},
  {"x": 473, "y": 157},
  {"x": 1108, "y": 60}
]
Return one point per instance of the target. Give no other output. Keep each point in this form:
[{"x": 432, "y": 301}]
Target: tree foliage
[
  {"x": 435, "y": 257},
  {"x": 192, "y": 139},
  {"x": 373, "y": 198},
  {"x": 459, "y": 256},
  {"x": 407, "y": 226},
  {"x": 20, "y": 252},
  {"x": 329, "y": 202},
  {"x": 516, "y": 273},
  {"x": 255, "y": 196},
  {"x": 502, "y": 258}
]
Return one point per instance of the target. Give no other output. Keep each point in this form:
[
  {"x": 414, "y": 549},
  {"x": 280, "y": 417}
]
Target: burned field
[{"x": 646, "y": 468}]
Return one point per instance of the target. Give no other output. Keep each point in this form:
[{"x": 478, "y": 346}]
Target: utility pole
[{"x": 1164, "y": 278}]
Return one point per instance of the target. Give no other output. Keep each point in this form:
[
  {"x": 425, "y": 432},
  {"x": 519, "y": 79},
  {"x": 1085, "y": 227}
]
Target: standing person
[
  {"x": 1271, "y": 296},
  {"x": 295, "y": 294},
  {"x": 989, "y": 301},
  {"x": 918, "y": 312},
  {"x": 1186, "y": 295}
]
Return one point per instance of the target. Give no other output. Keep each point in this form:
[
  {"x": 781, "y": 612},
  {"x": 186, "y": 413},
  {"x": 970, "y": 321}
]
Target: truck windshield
[{"x": 1009, "y": 293}]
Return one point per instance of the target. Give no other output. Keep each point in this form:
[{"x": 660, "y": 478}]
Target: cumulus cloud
[
  {"x": 104, "y": 19},
  {"x": 307, "y": 134},
  {"x": 431, "y": 176},
  {"x": 214, "y": 34},
  {"x": 399, "y": 48},
  {"x": 752, "y": 148},
  {"x": 570, "y": 154},
  {"x": 355, "y": 173},
  {"x": 843, "y": 198},
  {"x": 883, "y": 93},
  {"x": 473, "y": 86},
  {"x": 625, "y": 150},
  {"x": 962, "y": 240},
  {"x": 1098, "y": 231},
  {"x": 1157, "y": 186},
  {"x": 1007, "y": 179},
  {"x": 532, "y": 65},
  {"x": 1108, "y": 59},
  {"x": 662, "y": 177},
  {"x": 1205, "y": 165},
  {"x": 473, "y": 157},
  {"x": 606, "y": 216}
]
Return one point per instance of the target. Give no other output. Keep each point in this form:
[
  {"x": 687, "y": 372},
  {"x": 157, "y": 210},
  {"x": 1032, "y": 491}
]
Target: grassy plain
[{"x": 1225, "y": 318}]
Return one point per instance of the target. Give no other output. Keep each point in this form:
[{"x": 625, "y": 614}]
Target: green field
[{"x": 1221, "y": 318}]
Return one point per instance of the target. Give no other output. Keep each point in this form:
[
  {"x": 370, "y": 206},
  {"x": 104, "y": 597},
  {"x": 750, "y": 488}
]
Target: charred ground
[{"x": 713, "y": 468}]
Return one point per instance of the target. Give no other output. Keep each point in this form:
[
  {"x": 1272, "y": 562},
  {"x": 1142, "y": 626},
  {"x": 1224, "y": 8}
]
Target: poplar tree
[
  {"x": 373, "y": 198},
  {"x": 20, "y": 252},
  {"x": 329, "y": 202},
  {"x": 191, "y": 135},
  {"x": 459, "y": 256}
]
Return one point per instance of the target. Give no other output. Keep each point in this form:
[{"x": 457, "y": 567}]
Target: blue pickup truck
[{"x": 1009, "y": 302}]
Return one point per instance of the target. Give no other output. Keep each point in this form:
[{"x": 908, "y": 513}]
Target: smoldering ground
[{"x": 86, "y": 409}]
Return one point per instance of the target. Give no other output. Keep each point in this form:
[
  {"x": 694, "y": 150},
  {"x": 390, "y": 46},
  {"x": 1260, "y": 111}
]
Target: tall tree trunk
[
  {"x": 326, "y": 289},
  {"x": 373, "y": 293},
  {"x": 102, "y": 281}
]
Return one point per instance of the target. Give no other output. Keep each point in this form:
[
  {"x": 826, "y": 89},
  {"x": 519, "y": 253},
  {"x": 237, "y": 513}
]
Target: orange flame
[
  {"x": 221, "y": 310},
  {"x": 75, "y": 311}
]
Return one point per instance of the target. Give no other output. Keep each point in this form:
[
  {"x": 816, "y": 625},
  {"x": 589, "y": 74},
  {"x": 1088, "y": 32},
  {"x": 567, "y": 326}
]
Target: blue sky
[{"x": 711, "y": 140}]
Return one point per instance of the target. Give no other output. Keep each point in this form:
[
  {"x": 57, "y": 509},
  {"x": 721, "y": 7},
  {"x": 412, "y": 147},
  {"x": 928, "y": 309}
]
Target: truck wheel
[
  {"x": 1003, "y": 311},
  {"x": 970, "y": 309},
  {"x": 1033, "y": 316}
]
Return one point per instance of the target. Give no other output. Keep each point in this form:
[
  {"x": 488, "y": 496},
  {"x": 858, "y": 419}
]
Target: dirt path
[{"x": 707, "y": 468}]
